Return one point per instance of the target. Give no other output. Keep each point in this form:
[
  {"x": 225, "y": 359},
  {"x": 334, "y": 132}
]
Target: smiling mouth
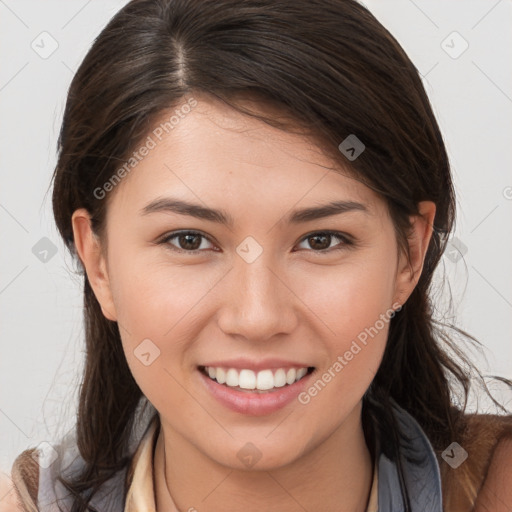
[{"x": 249, "y": 381}]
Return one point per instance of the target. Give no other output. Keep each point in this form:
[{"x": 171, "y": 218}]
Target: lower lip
[{"x": 254, "y": 404}]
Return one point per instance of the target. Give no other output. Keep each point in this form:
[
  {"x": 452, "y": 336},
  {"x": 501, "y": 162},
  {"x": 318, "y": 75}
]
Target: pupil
[
  {"x": 185, "y": 240},
  {"x": 316, "y": 245}
]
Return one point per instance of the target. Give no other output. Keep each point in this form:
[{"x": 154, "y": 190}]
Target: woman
[{"x": 259, "y": 194}]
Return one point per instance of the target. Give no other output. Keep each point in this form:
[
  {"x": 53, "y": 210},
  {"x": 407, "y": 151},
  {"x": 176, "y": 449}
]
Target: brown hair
[{"x": 336, "y": 71}]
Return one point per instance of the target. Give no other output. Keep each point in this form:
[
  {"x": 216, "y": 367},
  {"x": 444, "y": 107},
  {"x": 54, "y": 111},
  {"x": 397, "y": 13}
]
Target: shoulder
[
  {"x": 21, "y": 487},
  {"x": 486, "y": 444}
]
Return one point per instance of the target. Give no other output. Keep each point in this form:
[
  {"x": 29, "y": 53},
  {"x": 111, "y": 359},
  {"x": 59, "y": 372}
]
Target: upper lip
[{"x": 250, "y": 364}]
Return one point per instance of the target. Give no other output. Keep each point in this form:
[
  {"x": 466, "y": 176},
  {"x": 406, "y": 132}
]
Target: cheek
[
  {"x": 350, "y": 298},
  {"x": 353, "y": 305},
  {"x": 354, "y": 308},
  {"x": 154, "y": 299},
  {"x": 157, "y": 310}
]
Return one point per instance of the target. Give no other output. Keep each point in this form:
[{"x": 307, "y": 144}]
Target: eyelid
[
  {"x": 173, "y": 234},
  {"x": 346, "y": 240}
]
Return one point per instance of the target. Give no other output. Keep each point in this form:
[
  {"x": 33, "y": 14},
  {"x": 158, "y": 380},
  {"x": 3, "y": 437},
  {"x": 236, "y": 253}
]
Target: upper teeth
[{"x": 248, "y": 379}]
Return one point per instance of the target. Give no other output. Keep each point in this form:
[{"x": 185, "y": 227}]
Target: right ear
[{"x": 88, "y": 246}]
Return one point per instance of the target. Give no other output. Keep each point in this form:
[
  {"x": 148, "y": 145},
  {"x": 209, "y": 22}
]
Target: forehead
[{"x": 215, "y": 154}]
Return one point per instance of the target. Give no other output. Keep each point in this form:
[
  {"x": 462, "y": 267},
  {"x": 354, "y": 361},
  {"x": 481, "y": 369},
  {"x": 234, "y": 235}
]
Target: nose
[{"x": 259, "y": 303}]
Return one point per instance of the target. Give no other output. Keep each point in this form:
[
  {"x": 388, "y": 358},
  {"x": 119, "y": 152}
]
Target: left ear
[{"x": 408, "y": 273}]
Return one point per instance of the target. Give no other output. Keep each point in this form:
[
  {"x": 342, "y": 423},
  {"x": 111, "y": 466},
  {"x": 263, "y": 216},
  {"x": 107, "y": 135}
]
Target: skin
[{"x": 292, "y": 302}]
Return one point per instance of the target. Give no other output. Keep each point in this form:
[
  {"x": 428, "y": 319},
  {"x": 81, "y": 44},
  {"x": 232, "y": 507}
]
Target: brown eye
[
  {"x": 321, "y": 241},
  {"x": 186, "y": 241},
  {"x": 189, "y": 242}
]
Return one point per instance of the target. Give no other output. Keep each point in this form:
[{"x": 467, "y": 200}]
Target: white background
[{"x": 41, "y": 331}]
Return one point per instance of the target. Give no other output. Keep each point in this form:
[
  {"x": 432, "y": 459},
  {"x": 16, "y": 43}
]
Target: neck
[{"x": 335, "y": 476}]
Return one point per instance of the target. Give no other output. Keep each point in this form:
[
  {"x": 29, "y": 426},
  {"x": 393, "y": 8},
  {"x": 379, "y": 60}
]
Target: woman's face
[{"x": 257, "y": 287}]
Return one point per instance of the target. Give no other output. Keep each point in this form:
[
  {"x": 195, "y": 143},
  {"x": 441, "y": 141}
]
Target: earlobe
[
  {"x": 409, "y": 272},
  {"x": 89, "y": 250}
]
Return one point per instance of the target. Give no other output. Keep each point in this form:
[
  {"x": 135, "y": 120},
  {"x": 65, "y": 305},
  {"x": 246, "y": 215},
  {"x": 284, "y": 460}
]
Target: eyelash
[{"x": 345, "y": 239}]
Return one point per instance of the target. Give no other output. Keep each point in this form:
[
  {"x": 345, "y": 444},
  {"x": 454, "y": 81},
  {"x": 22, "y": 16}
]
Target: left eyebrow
[
  {"x": 221, "y": 217},
  {"x": 326, "y": 210}
]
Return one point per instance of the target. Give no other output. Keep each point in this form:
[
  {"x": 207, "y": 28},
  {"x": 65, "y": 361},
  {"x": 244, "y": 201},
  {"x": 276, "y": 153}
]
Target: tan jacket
[{"x": 483, "y": 483}]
